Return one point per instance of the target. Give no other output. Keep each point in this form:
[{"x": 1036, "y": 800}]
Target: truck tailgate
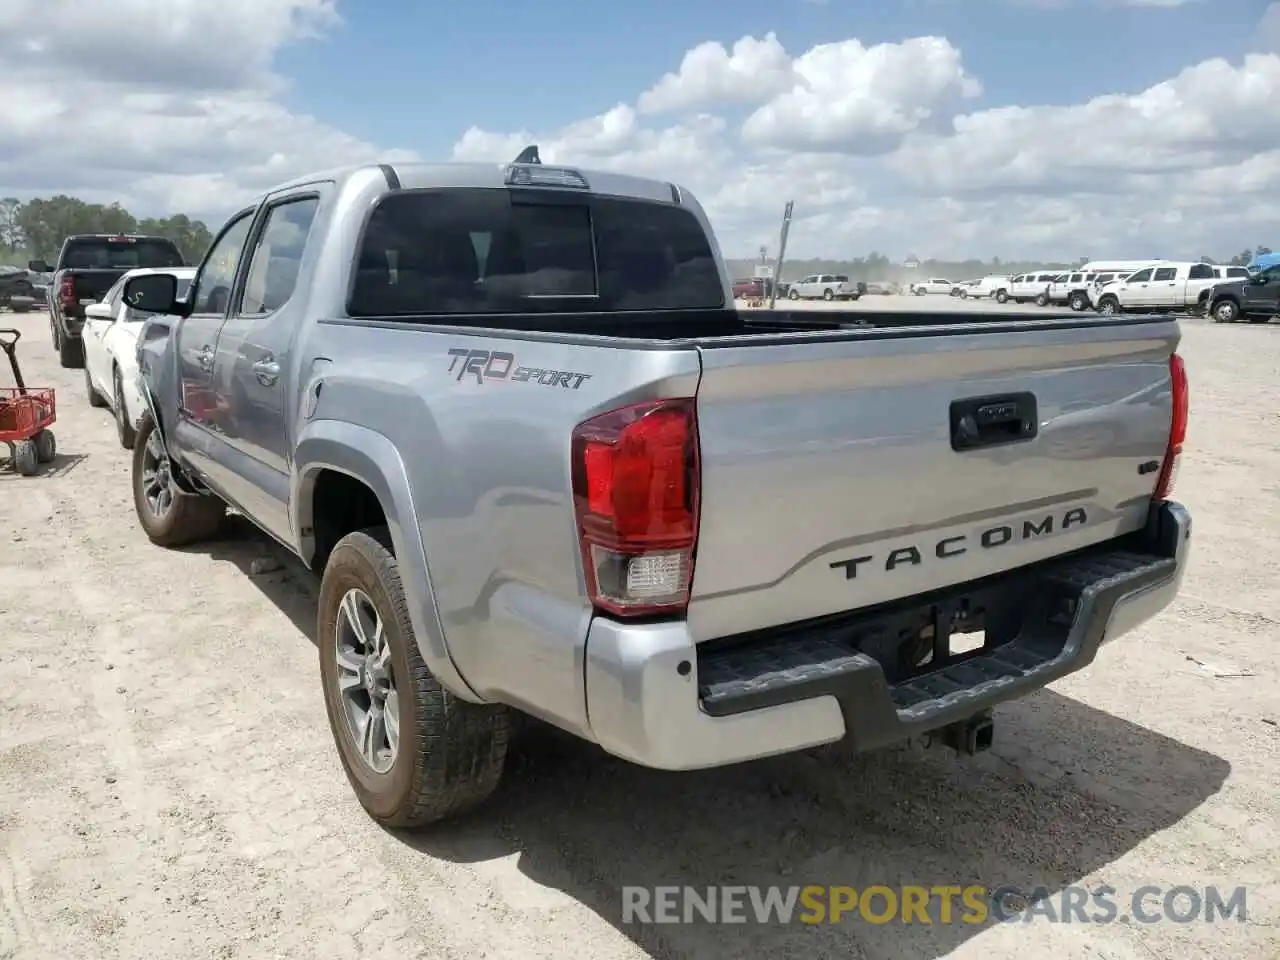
[
  {"x": 831, "y": 478},
  {"x": 93, "y": 284}
]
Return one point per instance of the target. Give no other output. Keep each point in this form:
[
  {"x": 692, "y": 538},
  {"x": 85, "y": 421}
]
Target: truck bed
[{"x": 714, "y": 328}]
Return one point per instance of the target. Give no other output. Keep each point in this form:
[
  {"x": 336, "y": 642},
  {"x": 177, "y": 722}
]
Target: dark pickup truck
[
  {"x": 1256, "y": 299},
  {"x": 88, "y": 266}
]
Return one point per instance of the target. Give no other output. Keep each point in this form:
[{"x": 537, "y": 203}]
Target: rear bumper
[{"x": 657, "y": 699}]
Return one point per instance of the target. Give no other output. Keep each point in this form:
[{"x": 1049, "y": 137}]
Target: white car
[
  {"x": 934, "y": 285},
  {"x": 110, "y": 352},
  {"x": 989, "y": 286}
]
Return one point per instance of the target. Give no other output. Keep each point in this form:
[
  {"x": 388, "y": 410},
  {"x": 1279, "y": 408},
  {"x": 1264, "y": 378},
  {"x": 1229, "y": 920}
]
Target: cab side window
[
  {"x": 1165, "y": 273},
  {"x": 1141, "y": 276},
  {"x": 277, "y": 256},
  {"x": 218, "y": 275}
]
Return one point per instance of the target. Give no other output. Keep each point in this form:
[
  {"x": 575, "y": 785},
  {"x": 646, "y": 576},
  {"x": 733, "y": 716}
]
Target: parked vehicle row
[
  {"x": 87, "y": 266},
  {"x": 327, "y": 374}
]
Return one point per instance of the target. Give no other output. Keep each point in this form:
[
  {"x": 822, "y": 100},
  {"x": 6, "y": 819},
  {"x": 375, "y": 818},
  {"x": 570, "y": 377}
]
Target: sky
[{"x": 1049, "y": 129}]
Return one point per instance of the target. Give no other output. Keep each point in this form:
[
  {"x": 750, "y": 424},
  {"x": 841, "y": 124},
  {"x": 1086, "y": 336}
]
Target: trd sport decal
[{"x": 496, "y": 365}]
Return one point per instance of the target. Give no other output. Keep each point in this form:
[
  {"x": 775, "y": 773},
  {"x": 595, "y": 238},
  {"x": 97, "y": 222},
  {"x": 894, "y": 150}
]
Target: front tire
[
  {"x": 412, "y": 751},
  {"x": 1042, "y": 300},
  {"x": 1109, "y": 306},
  {"x": 26, "y": 459},
  {"x": 1002, "y": 296},
  {"x": 793, "y": 295},
  {"x": 169, "y": 517},
  {"x": 1225, "y": 311},
  {"x": 1079, "y": 302}
]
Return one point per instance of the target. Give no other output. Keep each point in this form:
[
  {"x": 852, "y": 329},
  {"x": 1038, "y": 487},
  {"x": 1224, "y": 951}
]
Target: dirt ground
[{"x": 168, "y": 787}]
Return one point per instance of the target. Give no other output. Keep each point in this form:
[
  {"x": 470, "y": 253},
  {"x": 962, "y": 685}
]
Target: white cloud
[
  {"x": 163, "y": 106},
  {"x": 880, "y": 145},
  {"x": 870, "y": 144}
]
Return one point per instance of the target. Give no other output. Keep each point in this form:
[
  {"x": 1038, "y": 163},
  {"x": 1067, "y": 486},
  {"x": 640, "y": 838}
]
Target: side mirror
[
  {"x": 39, "y": 266},
  {"x": 98, "y": 311},
  {"x": 152, "y": 293}
]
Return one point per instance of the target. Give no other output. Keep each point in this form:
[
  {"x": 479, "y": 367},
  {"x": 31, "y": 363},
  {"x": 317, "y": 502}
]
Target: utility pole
[{"x": 782, "y": 252}]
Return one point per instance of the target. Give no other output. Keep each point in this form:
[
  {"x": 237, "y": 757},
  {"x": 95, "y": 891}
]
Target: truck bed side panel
[
  {"x": 830, "y": 482},
  {"x": 488, "y": 463}
]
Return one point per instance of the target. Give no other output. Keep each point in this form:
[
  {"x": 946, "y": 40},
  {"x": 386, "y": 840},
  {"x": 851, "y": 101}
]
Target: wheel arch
[{"x": 343, "y": 464}]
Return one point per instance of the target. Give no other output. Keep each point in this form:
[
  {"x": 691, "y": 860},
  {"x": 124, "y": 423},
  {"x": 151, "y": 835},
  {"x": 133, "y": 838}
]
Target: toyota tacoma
[{"x": 508, "y": 415}]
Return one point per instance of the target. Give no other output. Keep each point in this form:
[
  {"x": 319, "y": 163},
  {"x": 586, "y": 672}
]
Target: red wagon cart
[{"x": 26, "y": 414}]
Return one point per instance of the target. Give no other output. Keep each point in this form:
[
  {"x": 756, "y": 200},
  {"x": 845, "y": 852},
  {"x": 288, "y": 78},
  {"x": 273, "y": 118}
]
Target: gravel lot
[{"x": 168, "y": 785}]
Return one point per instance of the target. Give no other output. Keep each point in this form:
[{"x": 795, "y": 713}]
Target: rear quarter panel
[{"x": 488, "y": 466}]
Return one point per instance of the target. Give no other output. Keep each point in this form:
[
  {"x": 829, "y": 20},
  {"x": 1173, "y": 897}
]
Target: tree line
[{"x": 34, "y": 229}]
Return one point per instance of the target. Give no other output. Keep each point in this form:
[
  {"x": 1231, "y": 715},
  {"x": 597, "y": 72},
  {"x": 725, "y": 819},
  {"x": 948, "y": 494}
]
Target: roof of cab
[{"x": 457, "y": 174}]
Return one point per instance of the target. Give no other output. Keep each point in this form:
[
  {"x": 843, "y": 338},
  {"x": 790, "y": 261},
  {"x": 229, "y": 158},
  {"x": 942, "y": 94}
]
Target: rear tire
[
  {"x": 70, "y": 352},
  {"x": 1002, "y": 296},
  {"x": 1042, "y": 300},
  {"x": 169, "y": 517},
  {"x": 95, "y": 398},
  {"x": 448, "y": 755},
  {"x": 828, "y": 295}
]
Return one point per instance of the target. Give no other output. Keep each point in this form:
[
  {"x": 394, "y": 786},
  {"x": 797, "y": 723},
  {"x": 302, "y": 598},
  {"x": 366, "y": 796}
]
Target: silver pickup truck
[{"x": 508, "y": 415}]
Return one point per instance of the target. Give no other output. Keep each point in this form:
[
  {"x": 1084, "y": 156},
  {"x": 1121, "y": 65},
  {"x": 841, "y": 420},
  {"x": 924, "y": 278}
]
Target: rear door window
[
  {"x": 493, "y": 251},
  {"x": 128, "y": 253}
]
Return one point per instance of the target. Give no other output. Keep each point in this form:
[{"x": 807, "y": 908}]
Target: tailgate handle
[{"x": 979, "y": 422}]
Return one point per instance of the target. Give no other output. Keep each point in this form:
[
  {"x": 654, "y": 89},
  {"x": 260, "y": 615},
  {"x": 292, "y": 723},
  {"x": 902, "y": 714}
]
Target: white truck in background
[
  {"x": 1031, "y": 286},
  {"x": 1163, "y": 287},
  {"x": 987, "y": 287},
  {"x": 828, "y": 286}
]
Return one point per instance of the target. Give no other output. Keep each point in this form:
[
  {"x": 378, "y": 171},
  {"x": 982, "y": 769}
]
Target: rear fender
[{"x": 371, "y": 458}]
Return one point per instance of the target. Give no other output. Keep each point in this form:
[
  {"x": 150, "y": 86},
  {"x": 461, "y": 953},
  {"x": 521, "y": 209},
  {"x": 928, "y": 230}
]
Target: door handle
[
  {"x": 205, "y": 357},
  {"x": 978, "y": 422},
  {"x": 267, "y": 371}
]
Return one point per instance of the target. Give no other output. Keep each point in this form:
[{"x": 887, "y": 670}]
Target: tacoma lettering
[{"x": 950, "y": 547}]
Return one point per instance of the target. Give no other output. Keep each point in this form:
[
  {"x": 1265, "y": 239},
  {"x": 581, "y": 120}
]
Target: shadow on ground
[
  {"x": 1066, "y": 790},
  {"x": 61, "y": 465}
]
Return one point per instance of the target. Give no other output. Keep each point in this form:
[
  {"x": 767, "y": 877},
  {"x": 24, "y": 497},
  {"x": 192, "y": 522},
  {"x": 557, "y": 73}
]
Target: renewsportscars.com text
[{"x": 942, "y": 904}]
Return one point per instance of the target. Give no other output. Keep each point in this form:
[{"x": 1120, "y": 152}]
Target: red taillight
[
  {"x": 1178, "y": 427},
  {"x": 636, "y": 482},
  {"x": 67, "y": 291}
]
